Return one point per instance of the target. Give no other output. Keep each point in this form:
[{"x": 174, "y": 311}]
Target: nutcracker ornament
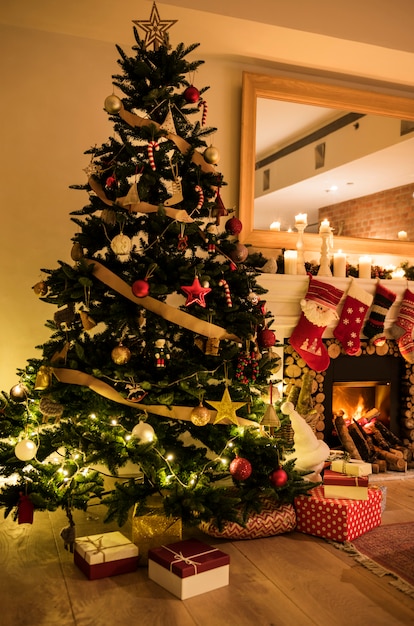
[{"x": 162, "y": 354}]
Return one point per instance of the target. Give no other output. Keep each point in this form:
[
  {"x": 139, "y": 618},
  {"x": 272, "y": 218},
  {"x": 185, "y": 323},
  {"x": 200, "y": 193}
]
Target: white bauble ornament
[
  {"x": 144, "y": 432},
  {"x": 121, "y": 245},
  {"x": 25, "y": 450}
]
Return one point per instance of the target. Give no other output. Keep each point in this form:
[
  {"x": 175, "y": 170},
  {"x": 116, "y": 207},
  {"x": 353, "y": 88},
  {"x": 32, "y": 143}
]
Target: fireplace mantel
[{"x": 284, "y": 293}]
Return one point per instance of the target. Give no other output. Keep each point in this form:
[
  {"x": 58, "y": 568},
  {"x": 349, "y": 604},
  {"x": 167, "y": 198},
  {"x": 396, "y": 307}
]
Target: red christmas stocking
[
  {"x": 356, "y": 305},
  {"x": 405, "y": 327},
  {"x": 318, "y": 310},
  {"x": 374, "y": 326}
]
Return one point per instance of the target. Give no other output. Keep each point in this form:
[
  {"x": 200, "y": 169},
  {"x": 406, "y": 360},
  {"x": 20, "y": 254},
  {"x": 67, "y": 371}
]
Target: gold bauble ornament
[
  {"x": 40, "y": 288},
  {"x": 200, "y": 415},
  {"x": 211, "y": 155},
  {"x": 77, "y": 251},
  {"x": 112, "y": 104},
  {"x": 120, "y": 355}
]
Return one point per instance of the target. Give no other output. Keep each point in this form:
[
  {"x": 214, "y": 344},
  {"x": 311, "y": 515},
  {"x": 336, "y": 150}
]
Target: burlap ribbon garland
[
  {"x": 75, "y": 377},
  {"x": 166, "y": 311},
  {"x": 135, "y": 120}
]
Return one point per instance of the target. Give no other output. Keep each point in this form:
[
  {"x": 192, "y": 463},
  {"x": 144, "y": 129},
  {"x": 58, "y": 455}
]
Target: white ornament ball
[
  {"x": 121, "y": 245},
  {"x": 112, "y": 104},
  {"x": 144, "y": 432},
  {"x": 25, "y": 450}
]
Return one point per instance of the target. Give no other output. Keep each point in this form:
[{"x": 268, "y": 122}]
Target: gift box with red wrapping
[
  {"x": 337, "y": 485},
  {"x": 337, "y": 519},
  {"x": 188, "y": 568},
  {"x": 108, "y": 554}
]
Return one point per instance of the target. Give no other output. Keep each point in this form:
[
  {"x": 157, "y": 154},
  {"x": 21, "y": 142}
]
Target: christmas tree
[{"x": 160, "y": 356}]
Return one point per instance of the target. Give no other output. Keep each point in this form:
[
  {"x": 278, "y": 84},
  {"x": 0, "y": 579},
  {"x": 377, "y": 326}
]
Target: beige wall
[{"x": 56, "y": 64}]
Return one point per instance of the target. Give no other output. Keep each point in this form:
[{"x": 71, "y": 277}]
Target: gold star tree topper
[
  {"x": 155, "y": 29},
  {"x": 226, "y": 408}
]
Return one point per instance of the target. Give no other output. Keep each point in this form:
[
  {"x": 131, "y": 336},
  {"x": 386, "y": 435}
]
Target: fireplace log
[
  {"x": 362, "y": 442},
  {"x": 345, "y": 438},
  {"x": 377, "y": 437},
  {"x": 388, "y": 435},
  {"x": 395, "y": 463},
  {"x": 408, "y": 423}
]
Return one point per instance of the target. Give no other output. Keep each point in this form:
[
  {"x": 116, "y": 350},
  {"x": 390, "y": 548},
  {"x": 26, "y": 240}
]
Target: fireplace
[
  {"x": 363, "y": 388},
  {"x": 362, "y": 401}
]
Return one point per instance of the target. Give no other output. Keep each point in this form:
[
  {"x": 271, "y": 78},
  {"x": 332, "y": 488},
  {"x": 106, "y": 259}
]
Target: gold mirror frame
[{"x": 307, "y": 92}]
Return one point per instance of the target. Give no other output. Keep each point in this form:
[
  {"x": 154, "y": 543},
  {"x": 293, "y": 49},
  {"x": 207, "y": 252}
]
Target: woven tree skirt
[{"x": 272, "y": 520}]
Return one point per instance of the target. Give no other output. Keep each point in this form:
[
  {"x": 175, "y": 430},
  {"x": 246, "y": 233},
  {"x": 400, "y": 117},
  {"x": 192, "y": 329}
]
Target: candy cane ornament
[
  {"x": 203, "y": 103},
  {"x": 200, "y": 197},
  {"x": 153, "y": 145},
  {"x": 224, "y": 283}
]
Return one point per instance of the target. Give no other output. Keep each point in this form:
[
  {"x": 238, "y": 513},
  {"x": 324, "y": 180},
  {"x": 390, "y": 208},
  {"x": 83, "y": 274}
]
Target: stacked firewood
[{"x": 374, "y": 443}]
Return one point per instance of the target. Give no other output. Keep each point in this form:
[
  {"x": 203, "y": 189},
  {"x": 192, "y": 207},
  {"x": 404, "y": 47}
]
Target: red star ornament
[
  {"x": 196, "y": 293},
  {"x": 226, "y": 408},
  {"x": 155, "y": 29}
]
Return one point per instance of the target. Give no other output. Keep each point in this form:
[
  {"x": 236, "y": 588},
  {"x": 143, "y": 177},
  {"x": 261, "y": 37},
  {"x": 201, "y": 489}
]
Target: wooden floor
[{"x": 288, "y": 580}]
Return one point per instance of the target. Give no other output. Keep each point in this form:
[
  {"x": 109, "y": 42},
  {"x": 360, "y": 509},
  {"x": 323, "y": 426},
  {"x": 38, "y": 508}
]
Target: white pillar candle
[
  {"x": 364, "y": 270},
  {"x": 325, "y": 227},
  {"x": 339, "y": 264},
  {"x": 301, "y": 218},
  {"x": 291, "y": 261},
  {"x": 275, "y": 226},
  {"x": 402, "y": 235}
]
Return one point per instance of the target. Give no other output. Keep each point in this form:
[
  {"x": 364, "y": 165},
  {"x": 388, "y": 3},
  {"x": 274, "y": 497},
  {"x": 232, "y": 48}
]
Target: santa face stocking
[
  {"x": 374, "y": 326},
  {"x": 318, "y": 310},
  {"x": 356, "y": 305},
  {"x": 403, "y": 331}
]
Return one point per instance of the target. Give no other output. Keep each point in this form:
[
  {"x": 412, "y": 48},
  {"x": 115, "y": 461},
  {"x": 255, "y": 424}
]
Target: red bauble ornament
[
  {"x": 233, "y": 226},
  {"x": 279, "y": 478},
  {"x": 140, "y": 288},
  {"x": 266, "y": 338},
  {"x": 191, "y": 94},
  {"x": 240, "y": 468}
]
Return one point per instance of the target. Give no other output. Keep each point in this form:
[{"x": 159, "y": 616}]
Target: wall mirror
[{"x": 260, "y": 92}]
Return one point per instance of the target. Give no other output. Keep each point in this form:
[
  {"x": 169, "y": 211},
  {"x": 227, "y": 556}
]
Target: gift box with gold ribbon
[
  {"x": 151, "y": 527},
  {"x": 107, "y": 554}
]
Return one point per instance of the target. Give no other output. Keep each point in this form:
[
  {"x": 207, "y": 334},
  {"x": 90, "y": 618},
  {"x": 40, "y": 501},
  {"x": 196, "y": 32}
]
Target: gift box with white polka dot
[{"x": 337, "y": 520}]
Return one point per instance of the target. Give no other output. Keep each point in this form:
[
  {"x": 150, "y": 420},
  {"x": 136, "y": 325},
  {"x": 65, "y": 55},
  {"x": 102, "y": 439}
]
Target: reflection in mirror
[
  {"x": 340, "y": 165},
  {"x": 325, "y": 151}
]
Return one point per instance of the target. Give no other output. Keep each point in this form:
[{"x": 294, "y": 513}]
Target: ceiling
[{"x": 377, "y": 22}]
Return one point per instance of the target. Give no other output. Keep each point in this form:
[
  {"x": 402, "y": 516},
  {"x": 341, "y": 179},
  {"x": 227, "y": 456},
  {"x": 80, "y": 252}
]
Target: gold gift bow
[
  {"x": 162, "y": 309},
  {"x": 76, "y": 377}
]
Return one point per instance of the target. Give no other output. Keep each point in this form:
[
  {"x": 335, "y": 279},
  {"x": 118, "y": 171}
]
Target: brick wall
[{"x": 380, "y": 215}]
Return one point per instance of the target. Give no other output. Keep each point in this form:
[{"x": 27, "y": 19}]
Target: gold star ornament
[
  {"x": 226, "y": 408},
  {"x": 155, "y": 29}
]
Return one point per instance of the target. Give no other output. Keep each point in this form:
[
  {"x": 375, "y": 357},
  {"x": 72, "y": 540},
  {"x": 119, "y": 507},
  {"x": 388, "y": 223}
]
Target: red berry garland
[{"x": 247, "y": 368}]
